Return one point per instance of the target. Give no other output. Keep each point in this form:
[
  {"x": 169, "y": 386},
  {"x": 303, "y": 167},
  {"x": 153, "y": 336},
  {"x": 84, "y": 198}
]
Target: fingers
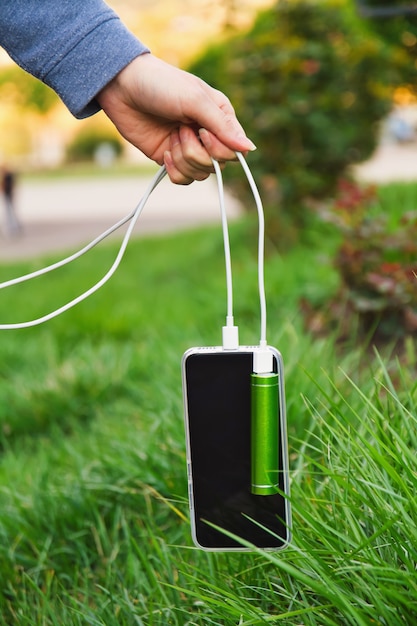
[
  {"x": 190, "y": 155},
  {"x": 174, "y": 174},
  {"x": 187, "y": 159},
  {"x": 215, "y": 147}
]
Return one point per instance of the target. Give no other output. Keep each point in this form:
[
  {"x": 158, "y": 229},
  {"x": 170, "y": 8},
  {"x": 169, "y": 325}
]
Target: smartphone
[{"x": 217, "y": 407}]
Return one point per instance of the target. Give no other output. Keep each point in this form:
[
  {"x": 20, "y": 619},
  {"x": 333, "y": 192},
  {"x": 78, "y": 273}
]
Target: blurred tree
[
  {"x": 85, "y": 145},
  {"x": 309, "y": 82}
]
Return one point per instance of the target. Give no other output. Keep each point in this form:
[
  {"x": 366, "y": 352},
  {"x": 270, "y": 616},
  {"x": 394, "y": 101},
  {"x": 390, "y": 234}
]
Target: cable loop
[
  {"x": 261, "y": 244},
  {"x": 133, "y": 218}
]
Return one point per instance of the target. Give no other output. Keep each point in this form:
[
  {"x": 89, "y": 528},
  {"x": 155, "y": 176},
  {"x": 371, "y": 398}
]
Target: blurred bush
[
  {"x": 309, "y": 82},
  {"x": 377, "y": 265},
  {"x": 87, "y": 144}
]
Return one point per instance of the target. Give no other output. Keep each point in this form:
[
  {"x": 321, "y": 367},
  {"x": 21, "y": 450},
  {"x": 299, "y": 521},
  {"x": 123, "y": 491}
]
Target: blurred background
[
  {"x": 235, "y": 42},
  {"x": 37, "y": 129},
  {"x": 325, "y": 89}
]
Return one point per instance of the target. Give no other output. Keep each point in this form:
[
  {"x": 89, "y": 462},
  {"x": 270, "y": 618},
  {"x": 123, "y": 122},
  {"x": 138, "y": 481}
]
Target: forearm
[{"x": 74, "y": 46}]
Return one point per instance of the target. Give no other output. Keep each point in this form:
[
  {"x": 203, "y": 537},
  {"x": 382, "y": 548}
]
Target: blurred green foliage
[
  {"x": 309, "y": 82},
  {"x": 25, "y": 91},
  {"x": 88, "y": 141}
]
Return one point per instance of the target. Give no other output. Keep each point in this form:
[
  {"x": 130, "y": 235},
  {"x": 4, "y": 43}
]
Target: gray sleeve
[{"x": 74, "y": 46}]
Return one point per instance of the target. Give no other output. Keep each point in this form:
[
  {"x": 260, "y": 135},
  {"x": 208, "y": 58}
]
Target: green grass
[
  {"x": 94, "y": 523},
  {"x": 396, "y": 200}
]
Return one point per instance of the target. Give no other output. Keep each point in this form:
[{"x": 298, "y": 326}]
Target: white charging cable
[
  {"x": 133, "y": 216},
  {"x": 44, "y": 270},
  {"x": 230, "y": 332},
  {"x": 261, "y": 247},
  {"x": 263, "y": 357}
]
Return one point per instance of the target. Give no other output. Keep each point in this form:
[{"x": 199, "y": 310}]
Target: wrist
[{"x": 121, "y": 84}]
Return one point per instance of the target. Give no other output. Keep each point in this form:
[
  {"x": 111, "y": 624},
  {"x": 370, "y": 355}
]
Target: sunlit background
[{"x": 37, "y": 128}]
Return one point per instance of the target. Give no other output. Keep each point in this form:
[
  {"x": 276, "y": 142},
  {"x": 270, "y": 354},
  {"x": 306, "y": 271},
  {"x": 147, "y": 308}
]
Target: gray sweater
[{"x": 74, "y": 46}]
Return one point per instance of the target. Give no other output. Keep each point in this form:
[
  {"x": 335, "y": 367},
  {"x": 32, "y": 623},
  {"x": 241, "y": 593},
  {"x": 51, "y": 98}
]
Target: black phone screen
[{"x": 218, "y": 399}]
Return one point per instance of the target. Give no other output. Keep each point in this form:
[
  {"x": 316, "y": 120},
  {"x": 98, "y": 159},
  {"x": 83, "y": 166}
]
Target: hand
[{"x": 174, "y": 118}]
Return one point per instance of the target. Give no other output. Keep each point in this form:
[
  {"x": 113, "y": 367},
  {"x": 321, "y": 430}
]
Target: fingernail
[
  {"x": 204, "y": 135},
  {"x": 249, "y": 143},
  {"x": 174, "y": 138},
  {"x": 167, "y": 158}
]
